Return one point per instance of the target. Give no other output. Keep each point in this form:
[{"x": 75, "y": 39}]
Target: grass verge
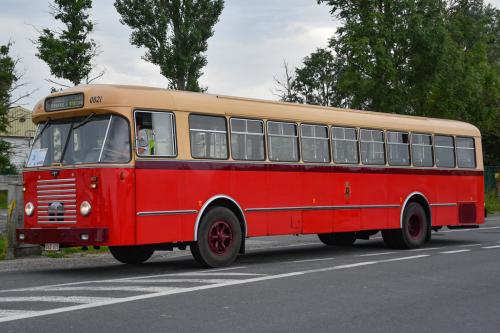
[
  {"x": 72, "y": 251},
  {"x": 491, "y": 202}
]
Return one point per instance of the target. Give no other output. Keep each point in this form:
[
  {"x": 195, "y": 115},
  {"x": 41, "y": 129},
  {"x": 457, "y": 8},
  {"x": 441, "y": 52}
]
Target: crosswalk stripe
[
  {"x": 57, "y": 299},
  {"x": 176, "y": 281},
  {"x": 8, "y": 313},
  {"x": 112, "y": 288}
]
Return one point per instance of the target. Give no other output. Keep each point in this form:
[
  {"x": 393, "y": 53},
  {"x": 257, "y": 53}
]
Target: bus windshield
[{"x": 87, "y": 140}]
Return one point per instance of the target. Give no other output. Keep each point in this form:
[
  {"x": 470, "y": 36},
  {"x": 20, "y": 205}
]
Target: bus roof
[{"x": 121, "y": 98}]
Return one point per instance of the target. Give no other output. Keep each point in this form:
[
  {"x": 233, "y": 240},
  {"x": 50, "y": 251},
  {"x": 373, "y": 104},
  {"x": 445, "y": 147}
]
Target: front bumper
[{"x": 63, "y": 236}]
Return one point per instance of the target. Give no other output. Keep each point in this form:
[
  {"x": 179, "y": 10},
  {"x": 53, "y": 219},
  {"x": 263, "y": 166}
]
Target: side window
[
  {"x": 208, "y": 136},
  {"x": 345, "y": 145},
  {"x": 398, "y": 148},
  {"x": 421, "y": 150},
  {"x": 247, "y": 139},
  {"x": 445, "y": 151},
  {"x": 466, "y": 153},
  {"x": 155, "y": 134},
  {"x": 315, "y": 143},
  {"x": 372, "y": 147},
  {"x": 283, "y": 141}
]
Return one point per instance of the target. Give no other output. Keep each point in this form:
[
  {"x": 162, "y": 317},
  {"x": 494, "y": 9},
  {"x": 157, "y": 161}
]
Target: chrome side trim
[
  {"x": 443, "y": 204},
  {"x": 341, "y": 207},
  {"x": 207, "y": 203},
  {"x": 406, "y": 202},
  {"x": 167, "y": 212}
]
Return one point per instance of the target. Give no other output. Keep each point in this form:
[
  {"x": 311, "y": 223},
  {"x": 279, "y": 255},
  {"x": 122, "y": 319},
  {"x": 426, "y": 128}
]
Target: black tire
[
  {"x": 219, "y": 238},
  {"x": 338, "y": 239},
  {"x": 133, "y": 255},
  {"x": 414, "y": 232}
]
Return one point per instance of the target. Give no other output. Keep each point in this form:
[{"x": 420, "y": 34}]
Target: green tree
[
  {"x": 421, "y": 57},
  {"x": 314, "y": 82},
  {"x": 69, "y": 52},
  {"x": 175, "y": 34},
  {"x": 8, "y": 83}
]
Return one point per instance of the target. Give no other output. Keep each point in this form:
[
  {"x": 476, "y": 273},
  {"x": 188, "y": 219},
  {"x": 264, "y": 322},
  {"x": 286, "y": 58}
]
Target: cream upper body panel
[
  {"x": 115, "y": 96},
  {"x": 123, "y": 100}
]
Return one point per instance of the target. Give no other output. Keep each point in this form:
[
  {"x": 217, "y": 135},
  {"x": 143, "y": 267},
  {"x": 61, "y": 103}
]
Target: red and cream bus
[{"x": 142, "y": 169}]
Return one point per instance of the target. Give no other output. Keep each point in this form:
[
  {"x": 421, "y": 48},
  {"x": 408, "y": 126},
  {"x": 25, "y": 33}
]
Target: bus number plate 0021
[{"x": 52, "y": 247}]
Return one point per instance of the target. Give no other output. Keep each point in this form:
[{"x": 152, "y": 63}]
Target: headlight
[
  {"x": 29, "y": 209},
  {"x": 85, "y": 208}
]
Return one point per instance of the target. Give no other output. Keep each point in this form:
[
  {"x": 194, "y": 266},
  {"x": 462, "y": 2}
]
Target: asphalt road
[{"x": 281, "y": 284}]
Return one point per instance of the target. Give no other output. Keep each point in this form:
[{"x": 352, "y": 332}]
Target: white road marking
[
  {"x": 426, "y": 249},
  {"x": 455, "y": 251},
  {"x": 58, "y": 299},
  {"x": 211, "y": 274},
  {"x": 176, "y": 281},
  {"x": 470, "y": 245},
  {"x": 405, "y": 258},
  {"x": 473, "y": 229},
  {"x": 491, "y": 247},
  {"x": 127, "y": 278},
  {"x": 222, "y": 269},
  {"x": 309, "y": 260},
  {"x": 375, "y": 254},
  {"x": 197, "y": 288},
  {"x": 358, "y": 264},
  {"x": 111, "y": 288},
  {"x": 7, "y": 313}
]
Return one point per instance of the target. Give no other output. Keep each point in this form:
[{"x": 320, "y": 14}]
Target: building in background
[{"x": 19, "y": 134}]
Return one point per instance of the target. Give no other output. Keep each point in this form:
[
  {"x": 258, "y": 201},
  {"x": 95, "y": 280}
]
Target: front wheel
[
  {"x": 414, "y": 232},
  {"x": 136, "y": 254},
  {"x": 219, "y": 238}
]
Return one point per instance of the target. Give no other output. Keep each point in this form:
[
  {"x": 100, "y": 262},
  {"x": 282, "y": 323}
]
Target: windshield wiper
[
  {"x": 84, "y": 121},
  {"x": 42, "y": 130}
]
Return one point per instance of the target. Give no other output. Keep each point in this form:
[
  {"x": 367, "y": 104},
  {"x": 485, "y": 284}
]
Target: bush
[{"x": 491, "y": 202}]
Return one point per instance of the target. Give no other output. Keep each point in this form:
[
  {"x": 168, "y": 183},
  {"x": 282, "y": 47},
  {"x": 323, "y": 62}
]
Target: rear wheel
[
  {"x": 219, "y": 238},
  {"x": 136, "y": 254},
  {"x": 339, "y": 239},
  {"x": 414, "y": 231}
]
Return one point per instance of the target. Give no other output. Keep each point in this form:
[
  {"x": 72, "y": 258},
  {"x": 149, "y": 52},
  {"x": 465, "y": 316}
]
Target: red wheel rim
[
  {"x": 415, "y": 226},
  {"x": 220, "y": 237}
]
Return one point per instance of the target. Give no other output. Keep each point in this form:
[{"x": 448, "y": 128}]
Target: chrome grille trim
[
  {"x": 56, "y": 185},
  {"x": 59, "y": 222},
  {"x": 49, "y": 201},
  {"x": 57, "y": 196},
  {"x": 57, "y": 191},
  {"x": 63, "y": 180},
  {"x": 61, "y": 191}
]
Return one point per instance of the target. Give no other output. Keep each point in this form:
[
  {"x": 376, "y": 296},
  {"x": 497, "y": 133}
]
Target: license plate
[{"x": 52, "y": 247}]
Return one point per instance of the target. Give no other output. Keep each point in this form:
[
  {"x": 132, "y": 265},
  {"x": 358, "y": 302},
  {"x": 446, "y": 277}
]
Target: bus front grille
[{"x": 56, "y": 201}]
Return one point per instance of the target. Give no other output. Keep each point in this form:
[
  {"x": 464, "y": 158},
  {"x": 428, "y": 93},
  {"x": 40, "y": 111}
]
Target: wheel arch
[
  {"x": 421, "y": 199},
  {"x": 222, "y": 200}
]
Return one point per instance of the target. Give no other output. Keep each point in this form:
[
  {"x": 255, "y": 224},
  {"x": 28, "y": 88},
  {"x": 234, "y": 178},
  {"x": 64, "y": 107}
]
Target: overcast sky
[{"x": 250, "y": 43}]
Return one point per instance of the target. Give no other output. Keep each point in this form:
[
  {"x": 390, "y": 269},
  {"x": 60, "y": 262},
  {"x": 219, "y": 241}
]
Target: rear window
[{"x": 466, "y": 153}]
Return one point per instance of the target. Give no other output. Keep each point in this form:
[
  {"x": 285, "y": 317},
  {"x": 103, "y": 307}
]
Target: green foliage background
[{"x": 419, "y": 57}]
